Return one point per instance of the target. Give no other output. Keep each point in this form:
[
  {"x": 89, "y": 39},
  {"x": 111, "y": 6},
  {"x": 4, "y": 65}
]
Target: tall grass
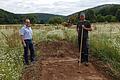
[
  {"x": 11, "y": 62},
  {"x": 105, "y": 44}
]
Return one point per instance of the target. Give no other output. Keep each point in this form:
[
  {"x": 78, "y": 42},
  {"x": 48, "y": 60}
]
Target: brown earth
[{"x": 58, "y": 62}]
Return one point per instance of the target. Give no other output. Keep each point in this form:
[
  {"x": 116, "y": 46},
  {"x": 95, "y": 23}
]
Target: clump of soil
[{"x": 57, "y": 49}]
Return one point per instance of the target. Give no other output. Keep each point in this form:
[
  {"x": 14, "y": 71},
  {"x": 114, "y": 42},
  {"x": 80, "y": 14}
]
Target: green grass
[
  {"x": 106, "y": 46},
  {"x": 11, "y": 62}
]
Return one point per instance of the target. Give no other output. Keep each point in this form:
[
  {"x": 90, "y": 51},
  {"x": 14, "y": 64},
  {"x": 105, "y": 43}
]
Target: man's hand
[
  {"x": 24, "y": 44},
  {"x": 83, "y": 27},
  {"x": 88, "y": 29},
  {"x": 33, "y": 42}
]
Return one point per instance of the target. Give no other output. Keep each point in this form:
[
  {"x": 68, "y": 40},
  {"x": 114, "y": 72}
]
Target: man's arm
[
  {"x": 22, "y": 37},
  {"x": 77, "y": 28},
  {"x": 23, "y": 42},
  {"x": 88, "y": 29}
]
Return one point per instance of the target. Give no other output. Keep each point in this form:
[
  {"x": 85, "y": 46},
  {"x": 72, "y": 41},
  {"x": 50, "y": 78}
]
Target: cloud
[{"x": 61, "y": 7}]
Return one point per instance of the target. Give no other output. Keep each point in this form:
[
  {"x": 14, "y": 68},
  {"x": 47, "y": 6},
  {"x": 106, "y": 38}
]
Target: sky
[{"x": 60, "y": 7}]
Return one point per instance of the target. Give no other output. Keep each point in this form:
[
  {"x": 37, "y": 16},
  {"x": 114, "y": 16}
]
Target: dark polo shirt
[{"x": 79, "y": 28}]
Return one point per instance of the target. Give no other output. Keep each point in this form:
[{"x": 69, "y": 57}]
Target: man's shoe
[
  {"x": 86, "y": 64},
  {"x": 26, "y": 63},
  {"x": 32, "y": 62}
]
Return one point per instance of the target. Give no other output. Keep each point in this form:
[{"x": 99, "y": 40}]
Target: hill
[
  {"x": 111, "y": 7},
  {"x": 11, "y": 18},
  {"x": 102, "y": 13}
]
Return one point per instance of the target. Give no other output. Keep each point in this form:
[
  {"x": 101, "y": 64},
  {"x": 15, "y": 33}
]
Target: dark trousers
[
  {"x": 29, "y": 46},
  {"x": 84, "y": 54}
]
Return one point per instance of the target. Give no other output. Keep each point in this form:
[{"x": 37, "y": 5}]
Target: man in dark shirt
[{"x": 83, "y": 37}]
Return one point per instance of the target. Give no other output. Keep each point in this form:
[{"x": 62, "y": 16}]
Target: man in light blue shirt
[{"x": 26, "y": 37}]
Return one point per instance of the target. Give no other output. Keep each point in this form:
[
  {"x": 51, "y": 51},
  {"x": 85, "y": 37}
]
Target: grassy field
[{"x": 104, "y": 43}]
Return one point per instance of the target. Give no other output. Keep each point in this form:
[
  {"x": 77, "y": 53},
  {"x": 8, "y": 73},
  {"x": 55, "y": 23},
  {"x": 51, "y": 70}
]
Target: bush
[{"x": 55, "y": 35}]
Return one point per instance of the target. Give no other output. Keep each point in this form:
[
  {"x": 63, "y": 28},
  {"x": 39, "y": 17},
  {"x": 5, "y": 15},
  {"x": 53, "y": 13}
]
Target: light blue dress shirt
[{"x": 26, "y": 32}]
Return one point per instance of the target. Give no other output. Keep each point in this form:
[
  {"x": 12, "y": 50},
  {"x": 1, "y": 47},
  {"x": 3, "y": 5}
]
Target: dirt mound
[
  {"x": 57, "y": 49},
  {"x": 58, "y": 62}
]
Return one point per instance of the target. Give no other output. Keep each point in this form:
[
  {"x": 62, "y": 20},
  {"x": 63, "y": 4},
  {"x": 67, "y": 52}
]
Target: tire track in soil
[{"x": 52, "y": 64}]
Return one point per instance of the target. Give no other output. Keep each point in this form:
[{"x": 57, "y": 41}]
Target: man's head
[
  {"x": 82, "y": 16},
  {"x": 27, "y": 22}
]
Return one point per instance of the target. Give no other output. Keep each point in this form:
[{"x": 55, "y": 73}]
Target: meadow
[{"x": 104, "y": 44}]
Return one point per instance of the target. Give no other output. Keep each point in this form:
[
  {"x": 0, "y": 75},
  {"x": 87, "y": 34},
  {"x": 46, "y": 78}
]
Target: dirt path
[{"x": 58, "y": 62}]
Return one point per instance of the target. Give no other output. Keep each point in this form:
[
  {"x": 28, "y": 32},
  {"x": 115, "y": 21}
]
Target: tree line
[
  {"x": 107, "y": 14},
  {"x": 11, "y": 18}
]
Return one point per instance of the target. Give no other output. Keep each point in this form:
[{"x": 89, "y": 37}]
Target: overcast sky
[{"x": 61, "y": 7}]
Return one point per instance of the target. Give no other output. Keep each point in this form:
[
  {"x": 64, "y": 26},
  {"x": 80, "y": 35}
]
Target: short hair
[
  {"x": 82, "y": 14},
  {"x": 27, "y": 20}
]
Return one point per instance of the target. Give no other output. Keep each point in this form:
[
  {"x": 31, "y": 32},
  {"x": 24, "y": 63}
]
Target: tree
[
  {"x": 100, "y": 18},
  {"x": 118, "y": 14},
  {"x": 113, "y": 19},
  {"x": 32, "y": 18},
  {"x": 73, "y": 19},
  {"x": 108, "y": 18},
  {"x": 42, "y": 22},
  {"x": 90, "y": 15},
  {"x": 104, "y": 11},
  {"x": 56, "y": 20},
  {"x": 113, "y": 10}
]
